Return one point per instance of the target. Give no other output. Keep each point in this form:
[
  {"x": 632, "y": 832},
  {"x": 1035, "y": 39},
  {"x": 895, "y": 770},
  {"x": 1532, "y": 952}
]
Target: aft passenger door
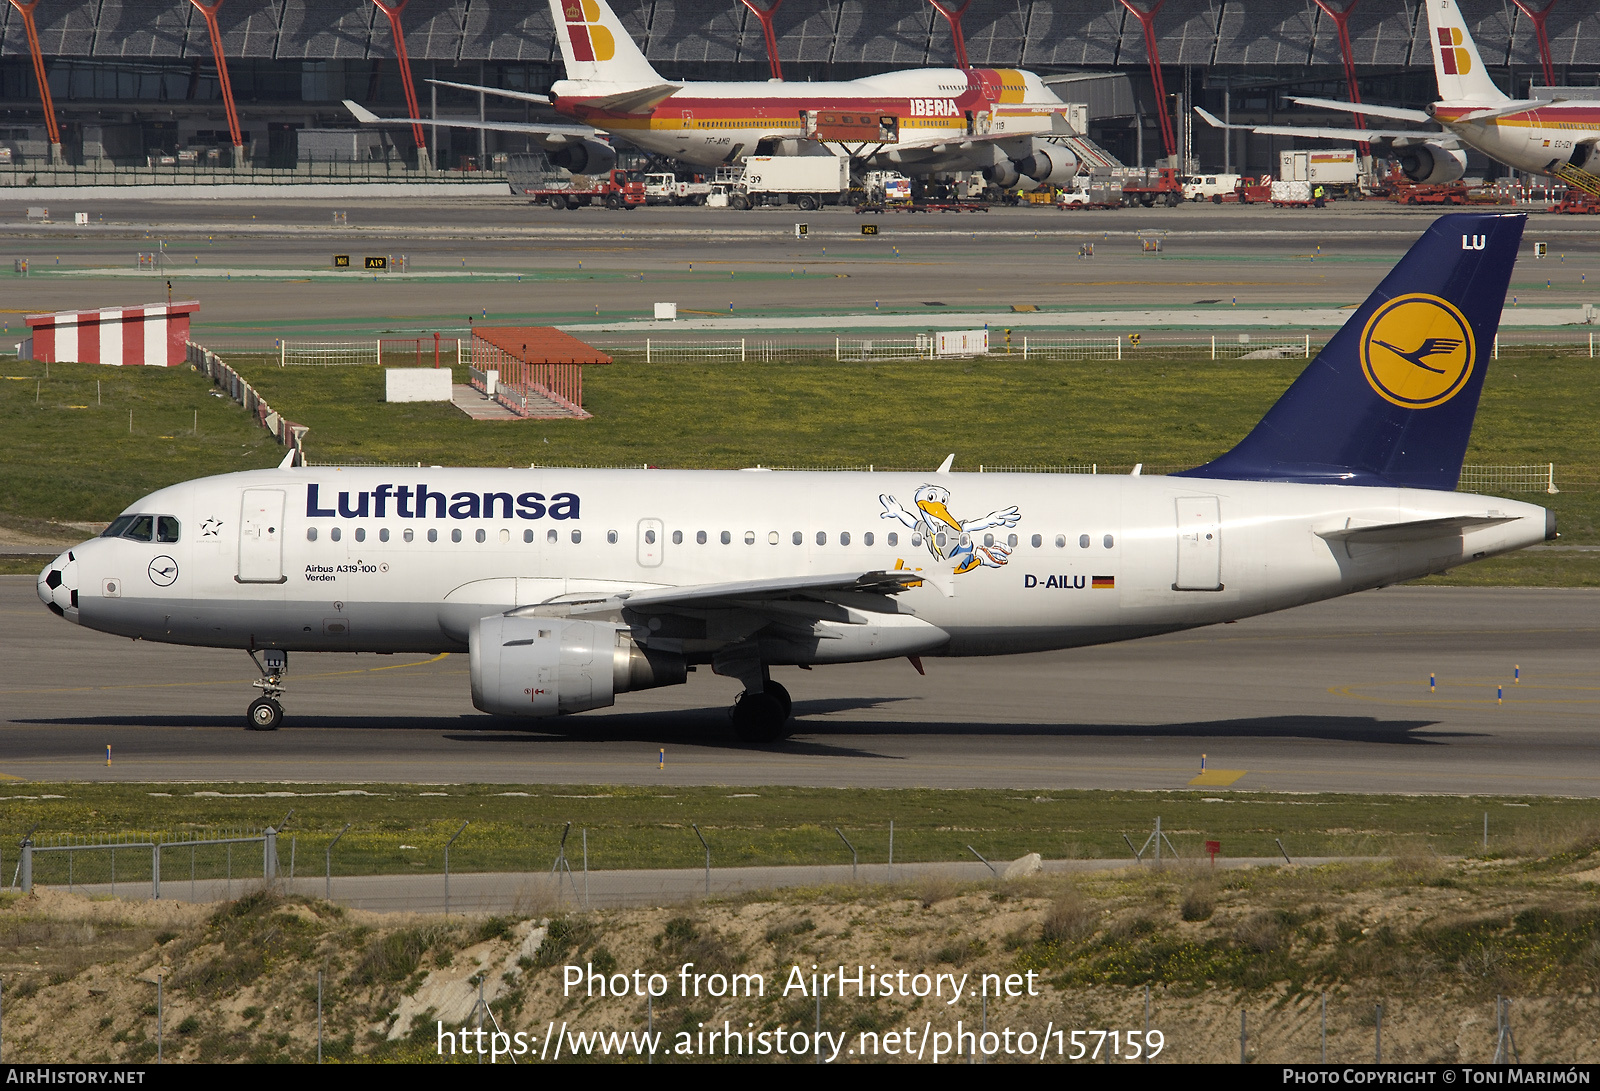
[
  {"x": 1199, "y": 544},
  {"x": 261, "y": 537}
]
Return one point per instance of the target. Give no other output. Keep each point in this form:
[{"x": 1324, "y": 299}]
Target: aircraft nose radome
[{"x": 58, "y": 586}]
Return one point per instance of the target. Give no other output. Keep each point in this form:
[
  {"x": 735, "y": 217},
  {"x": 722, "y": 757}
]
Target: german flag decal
[{"x": 1104, "y": 583}]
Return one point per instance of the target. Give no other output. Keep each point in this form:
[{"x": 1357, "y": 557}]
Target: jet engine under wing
[
  {"x": 742, "y": 594},
  {"x": 555, "y": 129},
  {"x": 1414, "y": 530}
]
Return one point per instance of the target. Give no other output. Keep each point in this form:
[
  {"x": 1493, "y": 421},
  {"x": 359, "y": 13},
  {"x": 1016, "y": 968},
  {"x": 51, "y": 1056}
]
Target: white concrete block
[
  {"x": 666, "y": 312},
  {"x": 416, "y": 384}
]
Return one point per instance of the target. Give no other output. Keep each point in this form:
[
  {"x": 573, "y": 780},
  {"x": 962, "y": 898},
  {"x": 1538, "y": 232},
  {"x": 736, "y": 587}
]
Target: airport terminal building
[{"x": 135, "y": 82}]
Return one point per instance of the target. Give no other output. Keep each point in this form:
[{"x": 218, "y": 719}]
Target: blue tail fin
[{"x": 1390, "y": 400}]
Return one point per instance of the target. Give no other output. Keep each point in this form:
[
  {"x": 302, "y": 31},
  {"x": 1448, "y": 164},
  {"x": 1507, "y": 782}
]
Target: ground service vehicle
[
  {"x": 806, "y": 181},
  {"x": 617, "y": 189},
  {"x": 1157, "y": 185},
  {"x": 668, "y": 189},
  {"x": 566, "y": 587},
  {"x": 1204, "y": 187}
]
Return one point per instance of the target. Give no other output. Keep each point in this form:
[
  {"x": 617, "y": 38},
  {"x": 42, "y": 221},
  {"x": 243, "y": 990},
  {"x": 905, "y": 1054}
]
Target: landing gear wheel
[
  {"x": 759, "y": 718},
  {"x": 265, "y": 714},
  {"x": 775, "y": 690}
]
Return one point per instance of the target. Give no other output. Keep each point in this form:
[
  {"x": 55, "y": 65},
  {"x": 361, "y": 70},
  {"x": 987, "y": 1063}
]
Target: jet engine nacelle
[
  {"x": 585, "y": 157},
  {"x": 539, "y": 666},
  {"x": 1431, "y": 165},
  {"x": 1003, "y": 173},
  {"x": 1050, "y": 164}
]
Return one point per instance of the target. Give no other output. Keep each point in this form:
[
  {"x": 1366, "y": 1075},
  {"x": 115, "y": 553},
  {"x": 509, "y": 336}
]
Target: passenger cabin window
[
  {"x": 550, "y": 536},
  {"x": 1083, "y": 541},
  {"x": 311, "y": 534},
  {"x": 700, "y": 537},
  {"x": 1109, "y": 541},
  {"x": 361, "y": 534},
  {"x": 527, "y": 536},
  {"x": 844, "y": 537},
  {"x": 726, "y": 537},
  {"x": 611, "y": 537},
  {"x": 166, "y": 529},
  {"x": 383, "y": 534},
  {"x": 577, "y": 536},
  {"x": 335, "y": 534},
  {"x": 481, "y": 536},
  {"x": 1061, "y": 541},
  {"x": 677, "y": 537},
  {"x": 1038, "y": 540},
  {"x": 455, "y": 535},
  {"x": 433, "y": 535},
  {"x": 409, "y": 534},
  {"x": 866, "y": 539},
  {"x": 649, "y": 537},
  {"x": 894, "y": 538},
  {"x": 749, "y": 537}
]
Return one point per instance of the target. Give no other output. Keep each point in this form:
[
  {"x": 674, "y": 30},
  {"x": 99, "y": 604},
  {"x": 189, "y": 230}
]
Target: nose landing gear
[{"x": 266, "y": 714}]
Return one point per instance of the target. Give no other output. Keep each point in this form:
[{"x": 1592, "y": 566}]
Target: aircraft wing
[
  {"x": 520, "y": 96},
  {"x": 639, "y": 100},
  {"x": 1396, "y": 113},
  {"x": 1413, "y": 530},
  {"x": 561, "y": 129},
  {"x": 741, "y": 594},
  {"x": 1397, "y": 137}
]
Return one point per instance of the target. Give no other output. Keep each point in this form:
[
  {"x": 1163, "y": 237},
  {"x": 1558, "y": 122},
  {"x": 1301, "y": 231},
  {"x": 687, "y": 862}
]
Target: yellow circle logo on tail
[{"x": 1417, "y": 351}]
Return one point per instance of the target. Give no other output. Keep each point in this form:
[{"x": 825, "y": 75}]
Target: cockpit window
[
  {"x": 118, "y": 525},
  {"x": 142, "y": 529},
  {"x": 166, "y": 529}
]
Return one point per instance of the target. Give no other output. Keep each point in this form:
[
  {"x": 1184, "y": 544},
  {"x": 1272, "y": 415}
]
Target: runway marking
[
  {"x": 1218, "y": 778},
  {"x": 228, "y": 681}
]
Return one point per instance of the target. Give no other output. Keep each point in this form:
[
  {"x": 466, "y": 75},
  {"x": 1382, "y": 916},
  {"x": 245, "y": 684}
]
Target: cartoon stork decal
[{"x": 930, "y": 517}]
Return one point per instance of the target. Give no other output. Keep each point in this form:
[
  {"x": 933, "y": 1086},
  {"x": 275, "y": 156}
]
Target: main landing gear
[
  {"x": 266, "y": 714},
  {"x": 762, "y": 716}
]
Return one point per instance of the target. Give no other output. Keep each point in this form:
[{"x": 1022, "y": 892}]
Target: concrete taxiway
[{"x": 1328, "y": 697}]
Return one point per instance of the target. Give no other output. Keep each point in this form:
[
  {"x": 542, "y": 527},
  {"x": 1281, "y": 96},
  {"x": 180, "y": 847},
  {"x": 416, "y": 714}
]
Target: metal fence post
[
  {"x": 1243, "y": 1038},
  {"x": 26, "y": 867},
  {"x": 327, "y": 889},
  {"x": 155, "y": 871},
  {"x": 698, "y": 834},
  {"x": 269, "y": 854},
  {"x": 1377, "y": 1041},
  {"x": 447, "y": 845}
]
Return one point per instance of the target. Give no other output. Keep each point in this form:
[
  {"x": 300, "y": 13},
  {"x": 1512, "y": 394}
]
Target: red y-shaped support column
[
  {"x": 209, "y": 11},
  {"x": 765, "y": 16},
  {"x": 423, "y": 162},
  {"x": 1147, "y": 20},
  {"x": 953, "y": 17},
  {"x": 1538, "y": 18},
  {"x": 1341, "y": 20},
  {"x": 38, "y": 74}
]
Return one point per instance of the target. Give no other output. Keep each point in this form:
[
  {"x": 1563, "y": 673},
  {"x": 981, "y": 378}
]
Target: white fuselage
[
  {"x": 1540, "y": 141},
  {"x": 388, "y": 577}
]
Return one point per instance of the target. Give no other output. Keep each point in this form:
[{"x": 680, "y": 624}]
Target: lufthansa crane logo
[
  {"x": 163, "y": 571},
  {"x": 1417, "y": 351}
]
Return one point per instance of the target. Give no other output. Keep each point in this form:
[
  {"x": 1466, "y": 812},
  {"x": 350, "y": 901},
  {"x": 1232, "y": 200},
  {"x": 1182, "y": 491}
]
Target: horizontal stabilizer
[
  {"x": 638, "y": 101},
  {"x": 538, "y": 128},
  {"x": 1414, "y": 530}
]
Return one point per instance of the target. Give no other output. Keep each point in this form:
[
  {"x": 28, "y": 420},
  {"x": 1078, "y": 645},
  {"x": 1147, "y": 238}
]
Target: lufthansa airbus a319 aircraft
[{"x": 568, "y": 587}]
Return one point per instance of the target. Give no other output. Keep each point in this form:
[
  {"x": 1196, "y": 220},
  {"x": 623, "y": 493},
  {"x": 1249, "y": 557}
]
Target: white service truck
[
  {"x": 806, "y": 181},
  {"x": 667, "y": 188}
]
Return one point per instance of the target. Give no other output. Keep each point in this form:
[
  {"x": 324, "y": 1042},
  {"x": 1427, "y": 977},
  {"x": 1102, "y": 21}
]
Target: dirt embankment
[{"x": 1290, "y": 948}]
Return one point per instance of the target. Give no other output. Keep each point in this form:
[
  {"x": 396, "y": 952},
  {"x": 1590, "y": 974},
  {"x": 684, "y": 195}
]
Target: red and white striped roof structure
[{"x": 154, "y": 334}]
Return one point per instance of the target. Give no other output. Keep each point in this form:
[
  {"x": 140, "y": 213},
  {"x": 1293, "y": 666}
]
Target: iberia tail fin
[
  {"x": 1460, "y": 71},
  {"x": 597, "y": 47}
]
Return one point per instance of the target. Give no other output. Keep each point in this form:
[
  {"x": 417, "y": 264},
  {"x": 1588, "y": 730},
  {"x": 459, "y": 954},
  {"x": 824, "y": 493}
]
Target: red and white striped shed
[{"x": 154, "y": 334}]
